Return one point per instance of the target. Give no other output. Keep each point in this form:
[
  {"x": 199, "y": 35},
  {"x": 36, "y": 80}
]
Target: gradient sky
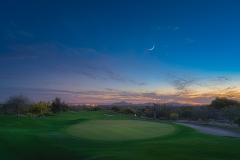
[{"x": 92, "y": 51}]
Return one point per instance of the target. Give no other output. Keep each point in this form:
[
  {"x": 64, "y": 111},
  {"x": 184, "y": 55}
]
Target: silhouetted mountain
[
  {"x": 123, "y": 103},
  {"x": 146, "y": 104}
]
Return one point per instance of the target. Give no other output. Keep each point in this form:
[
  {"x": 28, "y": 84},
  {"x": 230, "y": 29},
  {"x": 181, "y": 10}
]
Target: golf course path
[{"x": 213, "y": 130}]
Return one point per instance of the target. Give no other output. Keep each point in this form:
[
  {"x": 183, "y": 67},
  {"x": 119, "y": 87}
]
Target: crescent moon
[{"x": 151, "y": 48}]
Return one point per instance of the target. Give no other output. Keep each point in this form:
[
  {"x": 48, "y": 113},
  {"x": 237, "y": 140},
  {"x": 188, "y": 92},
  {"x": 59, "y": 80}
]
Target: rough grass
[
  {"x": 46, "y": 138},
  {"x": 119, "y": 129}
]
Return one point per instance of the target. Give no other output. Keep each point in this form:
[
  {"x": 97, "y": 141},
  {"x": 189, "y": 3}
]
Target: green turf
[
  {"x": 47, "y": 138},
  {"x": 119, "y": 129}
]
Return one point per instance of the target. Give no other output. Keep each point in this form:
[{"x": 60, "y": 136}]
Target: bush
[
  {"x": 222, "y": 102},
  {"x": 230, "y": 113},
  {"x": 174, "y": 116},
  {"x": 58, "y": 106},
  {"x": 39, "y": 108},
  {"x": 129, "y": 110},
  {"x": 116, "y": 108},
  {"x": 187, "y": 112},
  {"x": 201, "y": 113},
  {"x": 95, "y": 108},
  {"x": 139, "y": 114},
  {"x": 238, "y": 120}
]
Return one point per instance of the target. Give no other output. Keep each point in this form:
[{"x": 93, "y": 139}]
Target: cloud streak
[
  {"x": 12, "y": 57},
  {"x": 190, "y": 40},
  {"x": 78, "y": 61},
  {"x": 111, "y": 95}
]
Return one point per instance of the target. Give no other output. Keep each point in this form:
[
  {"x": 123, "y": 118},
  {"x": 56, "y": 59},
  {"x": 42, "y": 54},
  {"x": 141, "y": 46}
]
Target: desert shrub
[
  {"x": 139, "y": 114},
  {"x": 230, "y": 113},
  {"x": 129, "y": 110},
  {"x": 187, "y": 112},
  {"x": 174, "y": 116},
  {"x": 39, "y": 108},
  {"x": 95, "y": 108},
  {"x": 238, "y": 120},
  {"x": 116, "y": 108},
  {"x": 200, "y": 113},
  {"x": 163, "y": 111}
]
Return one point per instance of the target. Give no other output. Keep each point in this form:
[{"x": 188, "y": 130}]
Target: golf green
[{"x": 119, "y": 129}]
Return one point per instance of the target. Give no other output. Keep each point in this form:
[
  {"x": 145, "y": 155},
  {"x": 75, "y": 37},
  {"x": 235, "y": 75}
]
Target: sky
[{"x": 101, "y": 52}]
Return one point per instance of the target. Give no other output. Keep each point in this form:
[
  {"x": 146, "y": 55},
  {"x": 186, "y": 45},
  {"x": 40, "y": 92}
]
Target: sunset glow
[{"x": 101, "y": 53}]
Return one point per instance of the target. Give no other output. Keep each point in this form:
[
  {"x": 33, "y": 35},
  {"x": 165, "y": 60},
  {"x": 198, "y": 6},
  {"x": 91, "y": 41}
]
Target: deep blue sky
[{"x": 97, "y": 51}]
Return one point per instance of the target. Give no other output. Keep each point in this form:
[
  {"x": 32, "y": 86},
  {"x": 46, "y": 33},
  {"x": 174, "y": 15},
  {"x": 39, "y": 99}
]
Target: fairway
[
  {"x": 119, "y": 129},
  {"x": 93, "y": 135}
]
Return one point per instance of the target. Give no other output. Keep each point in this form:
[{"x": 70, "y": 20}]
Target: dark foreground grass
[{"x": 46, "y": 138}]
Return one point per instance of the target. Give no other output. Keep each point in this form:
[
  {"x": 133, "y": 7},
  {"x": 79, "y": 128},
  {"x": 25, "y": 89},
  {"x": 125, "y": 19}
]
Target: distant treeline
[
  {"x": 220, "y": 109},
  {"x": 22, "y": 105}
]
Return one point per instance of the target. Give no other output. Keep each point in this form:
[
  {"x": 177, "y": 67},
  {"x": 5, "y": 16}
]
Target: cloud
[
  {"x": 231, "y": 88},
  {"x": 12, "y": 57},
  {"x": 187, "y": 85},
  {"x": 221, "y": 79},
  {"x": 189, "y": 40},
  {"x": 181, "y": 85},
  {"x": 17, "y": 76},
  {"x": 200, "y": 89},
  {"x": 101, "y": 73},
  {"x": 176, "y": 28},
  {"x": 12, "y": 33},
  {"x": 60, "y": 59},
  {"x": 169, "y": 28},
  {"x": 111, "y": 95}
]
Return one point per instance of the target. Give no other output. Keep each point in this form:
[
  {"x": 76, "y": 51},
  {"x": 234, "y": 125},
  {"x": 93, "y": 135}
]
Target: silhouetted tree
[
  {"x": 16, "y": 105},
  {"x": 64, "y": 107},
  {"x": 238, "y": 120},
  {"x": 187, "y": 112},
  {"x": 202, "y": 113},
  {"x": 222, "y": 102},
  {"x": 1, "y": 108},
  {"x": 58, "y": 106},
  {"x": 95, "y": 108},
  {"x": 116, "y": 108},
  {"x": 164, "y": 111},
  {"x": 230, "y": 113},
  {"x": 129, "y": 110}
]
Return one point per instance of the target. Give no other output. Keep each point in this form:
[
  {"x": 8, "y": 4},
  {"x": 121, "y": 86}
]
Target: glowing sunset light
[{"x": 90, "y": 54}]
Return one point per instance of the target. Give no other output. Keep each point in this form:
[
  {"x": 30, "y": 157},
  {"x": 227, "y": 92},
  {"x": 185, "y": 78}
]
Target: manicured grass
[
  {"x": 47, "y": 138},
  {"x": 119, "y": 129}
]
